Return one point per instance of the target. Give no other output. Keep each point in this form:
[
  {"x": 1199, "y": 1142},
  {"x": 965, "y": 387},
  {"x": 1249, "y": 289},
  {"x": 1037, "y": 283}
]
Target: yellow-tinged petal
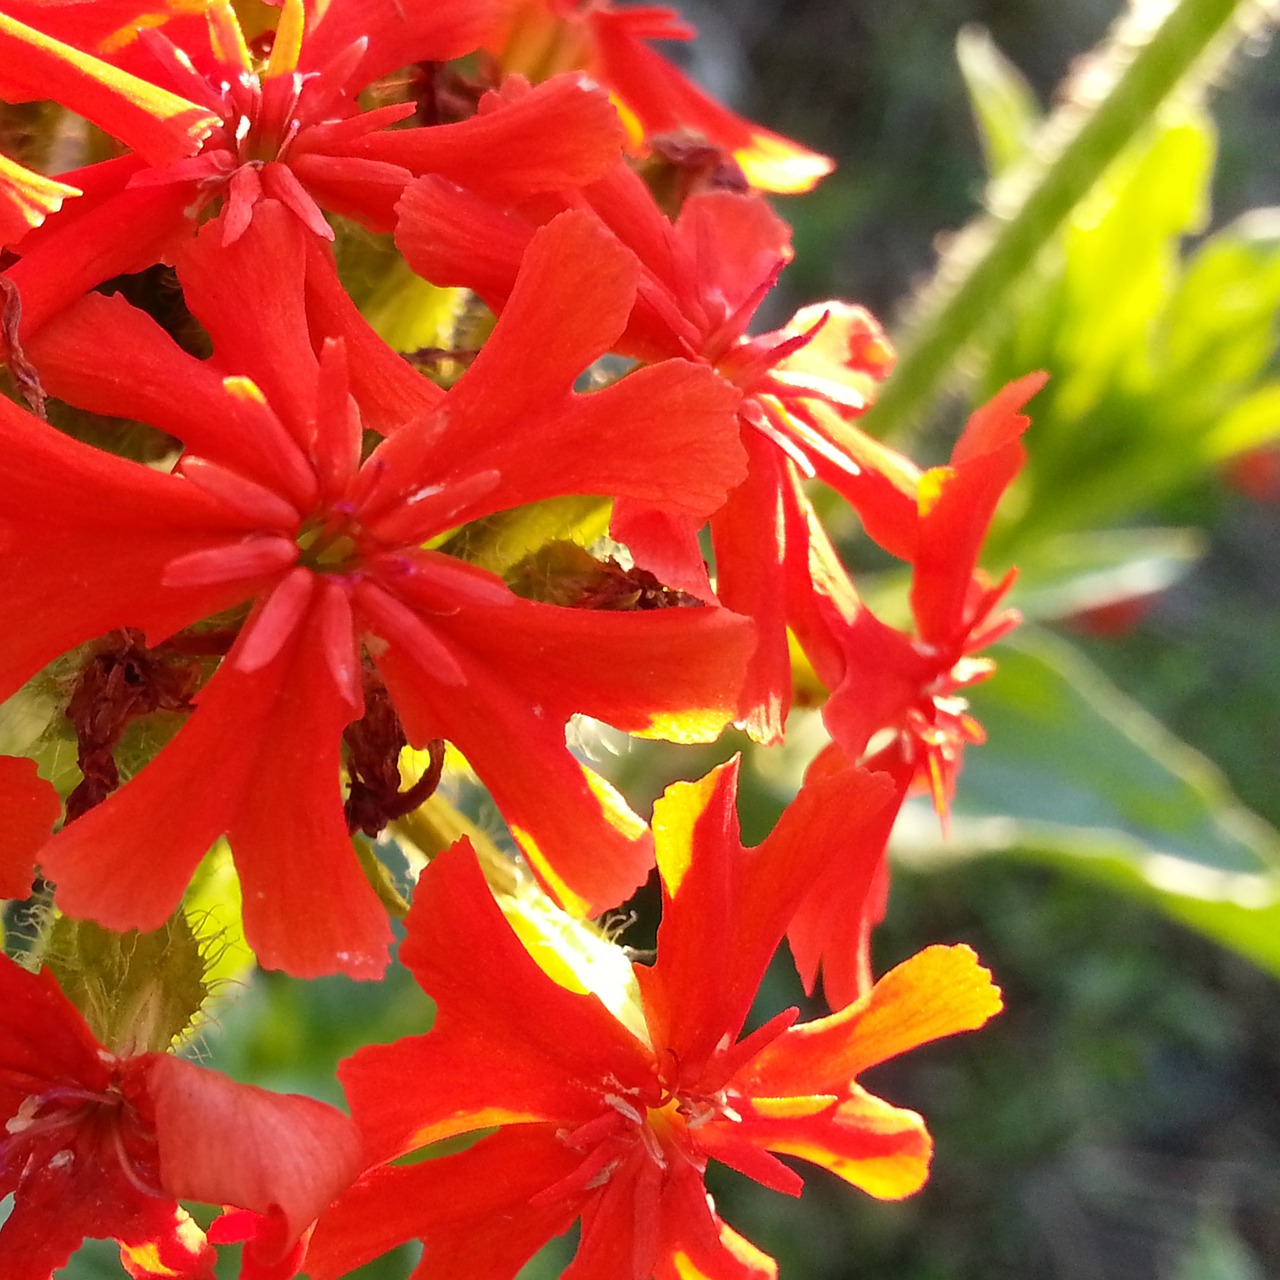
[
  {"x": 574, "y": 954},
  {"x": 615, "y": 812},
  {"x": 288, "y": 41},
  {"x": 229, "y": 45},
  {"x": 675, "y": 816},
  {"x": 26, "y": 199},
  {"x": 469, "y": 1121},
  {"x": 747, "y": 1259},
  {"x": 932, "y": 484},
  {"x": 688, "y": 727},
  {"x": 771, "y": 163},
  {"x": 793, "y": 1108},
  {"x": 242, "y": 388},
  {"x": 937, "y": 992},
  {"x": 881, "y": 1149},
  {"x": 161, "y": 126}
]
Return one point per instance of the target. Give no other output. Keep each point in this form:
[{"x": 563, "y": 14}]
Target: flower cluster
[{"x": 274, "y": 577}]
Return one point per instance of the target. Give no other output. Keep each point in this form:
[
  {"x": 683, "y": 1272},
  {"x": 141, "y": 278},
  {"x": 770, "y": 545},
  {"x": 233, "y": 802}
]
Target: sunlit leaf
[
  {"x": 1076, "y": 572},
  {"x": 1004, "y": 104},
  {"x": 1077, "y": 775}
]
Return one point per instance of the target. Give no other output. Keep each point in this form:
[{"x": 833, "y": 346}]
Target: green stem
[{"x": 988, "y": 258}]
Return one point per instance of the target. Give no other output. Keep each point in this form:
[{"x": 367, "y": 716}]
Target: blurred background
[{"x": 1113, "y": 856}]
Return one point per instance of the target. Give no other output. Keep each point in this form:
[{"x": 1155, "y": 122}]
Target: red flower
[
  {"x": 272, "y": 507},
  {"x": 911, "y": 683},
  {"x": 610, "y": 1104},
  {"x": 104, "y": 1146},
  {"x": 897, "y": 699},
  {"x": 206, "y": 120},
  {"x": 701, "y": 282},
  {"x": 539, "y": 37}
]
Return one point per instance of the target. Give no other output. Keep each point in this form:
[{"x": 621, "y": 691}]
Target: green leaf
[
  {"x": 1217, "y": 1252},
  {"x": 1250, "y": 422},
  {"x": 1004, "y": 105},
  {"x": 1219, "y": 331},
  {"x": 1138, "y": 69},
  {"x": 1077, "y": 775},
  {"x": 501, "y": 541},
  {"x": 1075, "y": 572}
]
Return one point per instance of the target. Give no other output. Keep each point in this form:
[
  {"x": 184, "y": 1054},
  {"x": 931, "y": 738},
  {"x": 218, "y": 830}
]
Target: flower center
[
  {"x": 329, "y": 544},
  {"x": 66, "y": 1125}
]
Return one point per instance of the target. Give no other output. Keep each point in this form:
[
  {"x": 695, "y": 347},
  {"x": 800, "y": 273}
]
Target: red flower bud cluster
[{"x": 282, "y": 576}]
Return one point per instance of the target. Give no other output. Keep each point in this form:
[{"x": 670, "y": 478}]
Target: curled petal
[
  {"x": 227, "y": 1143},
  {"x": 246, "y": 497},
  {"x": 392, "y": 621},
  {"x": 267, "y": 633},
  {"x": 26, "y": 199},
  {"x": 244, "y": 561}
]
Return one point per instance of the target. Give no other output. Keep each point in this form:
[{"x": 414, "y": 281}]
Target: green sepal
[
  {"x": 139, "y": 992},
  {"x": 380, "y": 878},
  {"x": 499, "y": 542}
]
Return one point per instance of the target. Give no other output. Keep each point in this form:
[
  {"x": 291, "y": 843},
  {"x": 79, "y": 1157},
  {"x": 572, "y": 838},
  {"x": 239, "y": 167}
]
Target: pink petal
[{"x": 227, "y": 1143}]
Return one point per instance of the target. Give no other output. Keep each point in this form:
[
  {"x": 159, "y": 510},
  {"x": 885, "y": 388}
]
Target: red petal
[
  {"x": 473, "y": 1208},
  {"x": 107, "y": 356},
  {"x": 665, "y": 435},
  {"x": 588, "y": 848},
  {"x": 395, "y": 33},
  {"x": 738, "y": 245},
  {"x": 123, "y": 234},
  {"x": 572, "y": 298},
  {"x": 750, "y": 538},
  {"x": 726, "y": 908},
  {"x": 563, "y": 133},
  {"x": 389, "y": 391},
  {"x": 307, "y": 907},
  {"x": 937, "y": 992},
  {"x": 832, "y": 925},
  {"x": 623, "y": 1226},
  {"x": 227, "y": 1143},
  {"x": 665, "y": 544},
  {"x": 43, "y": 1039},
  {"x": 30, "y": 807},
  {"x": 877, "y": 481},
  {"x": 250, "y": 296},
  {"x": 666, "y": 102},
  {"x": 528, "y": 668},
  {"x": 87, "y": 538},
  {"x": 366, "y": 191},
  {"x": 158, "y": 125},
  {"x": 884, "y": 675},
  {"x": 956, "y": 506},
  {"x": 454, "y": 237},
  {"x": 508, "y": 1044}
]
